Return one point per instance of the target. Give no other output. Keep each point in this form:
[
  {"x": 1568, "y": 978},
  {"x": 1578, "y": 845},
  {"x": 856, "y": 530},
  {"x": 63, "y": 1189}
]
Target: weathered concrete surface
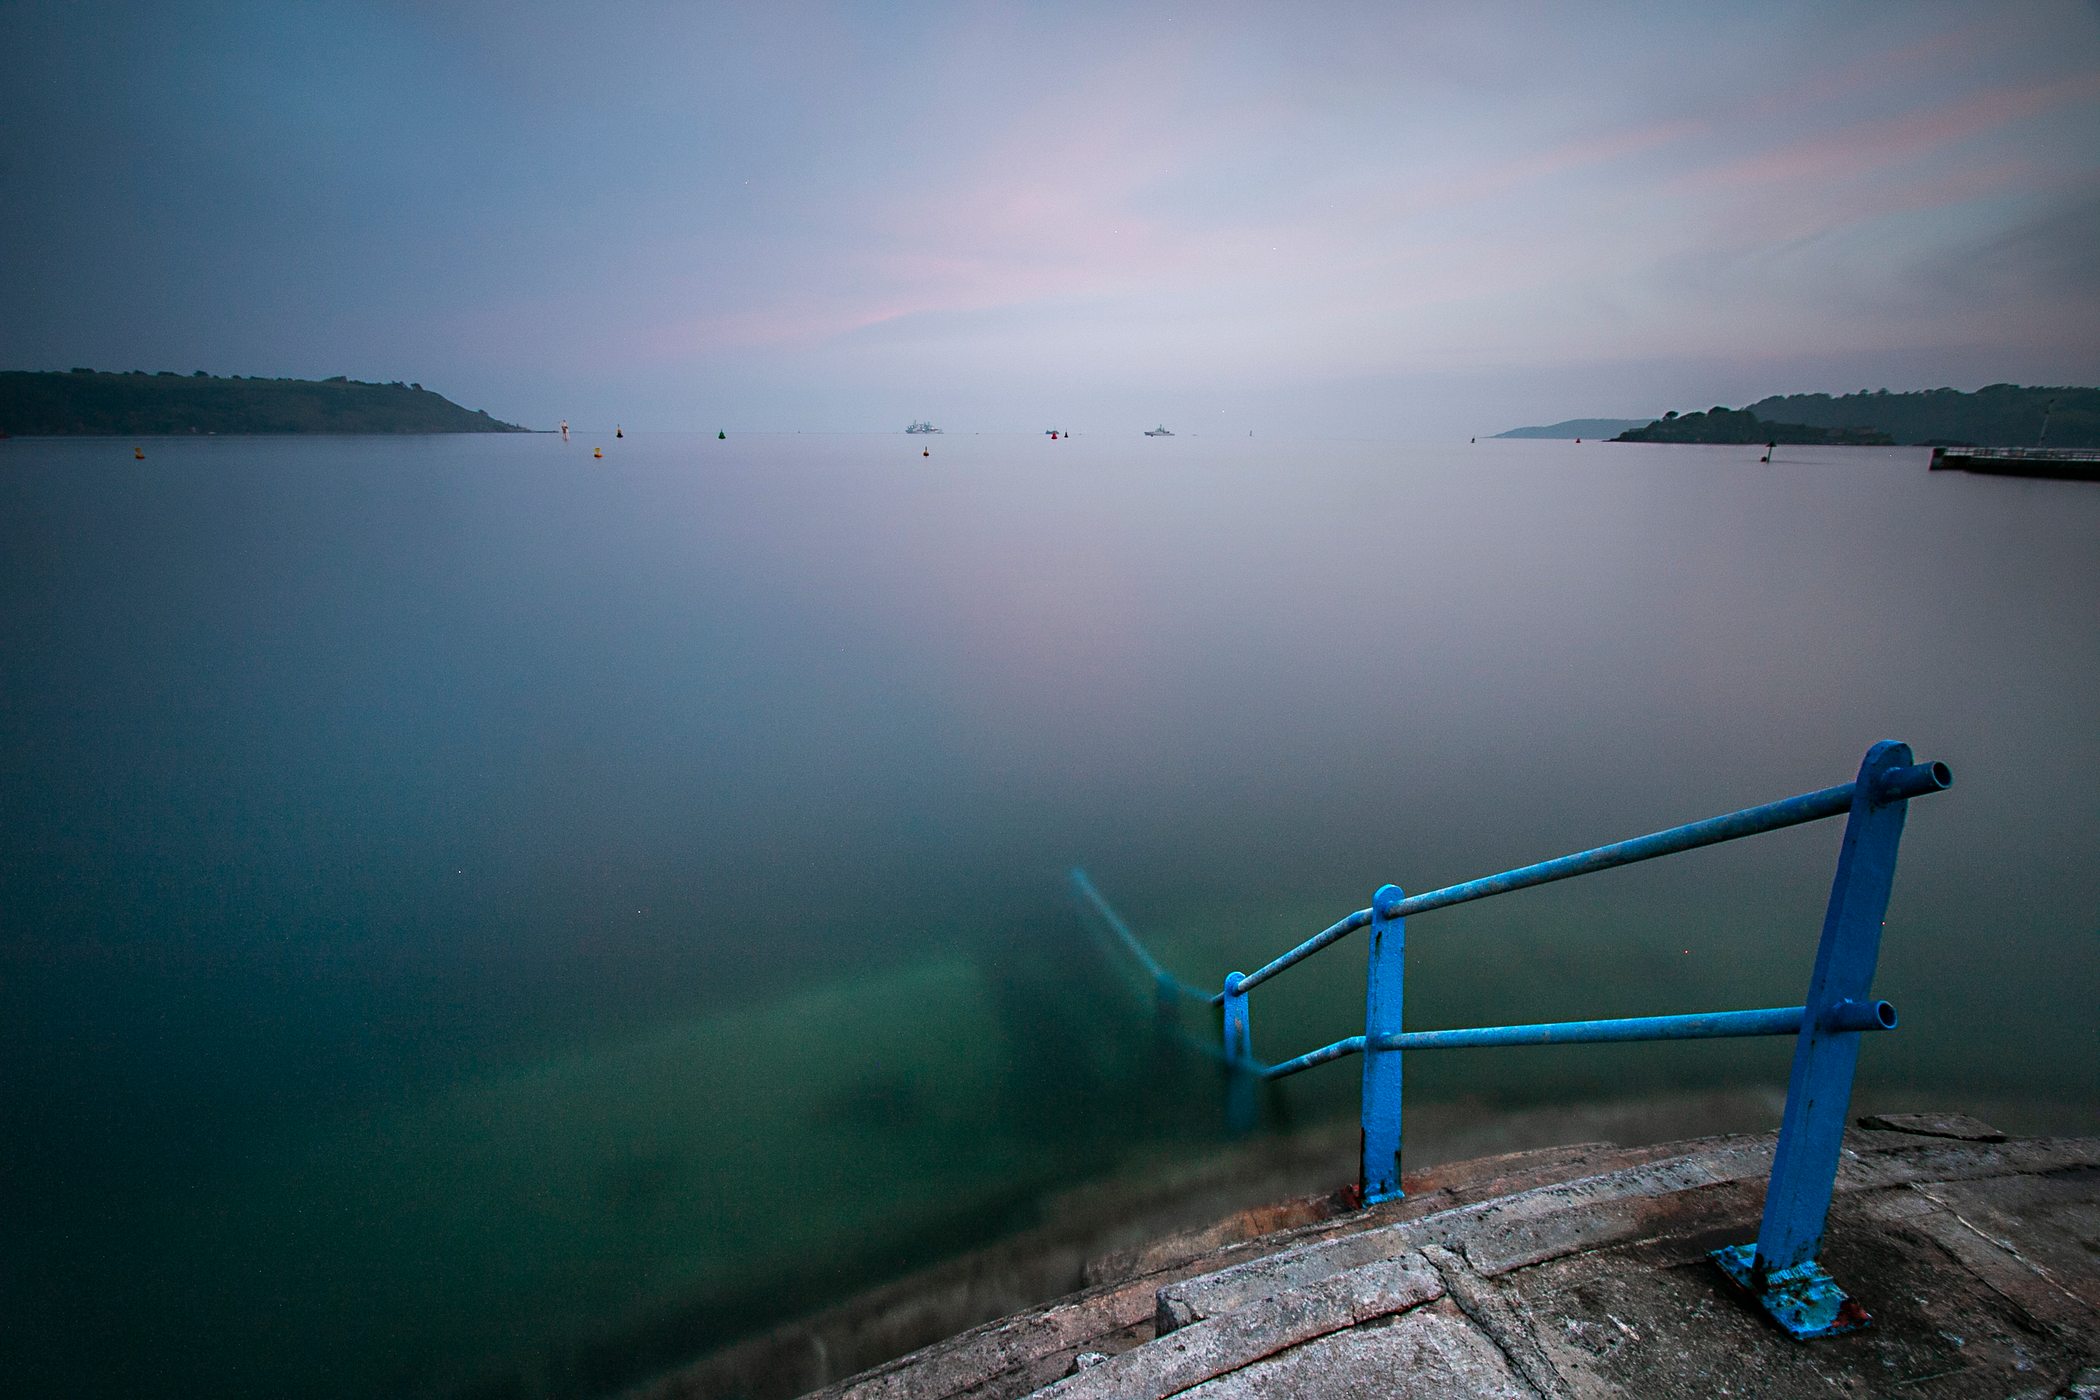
[
  {"x": 1092, "y": 1266},
  {"x": 1582, "y": 1272},
  {"x": 1429, "y": 1354}
]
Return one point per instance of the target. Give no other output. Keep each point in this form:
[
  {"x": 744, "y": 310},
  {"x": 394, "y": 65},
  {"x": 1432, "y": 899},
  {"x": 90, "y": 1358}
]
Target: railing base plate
[{"x": 1804, "y": 1300}]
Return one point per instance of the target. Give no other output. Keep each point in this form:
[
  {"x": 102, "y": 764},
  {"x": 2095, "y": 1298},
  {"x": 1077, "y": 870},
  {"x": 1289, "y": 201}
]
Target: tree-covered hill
[
  {"x": 1998, "y": 415},
  {"x": 1742, "y": 426},
  {"x": 90, "y": 402}
]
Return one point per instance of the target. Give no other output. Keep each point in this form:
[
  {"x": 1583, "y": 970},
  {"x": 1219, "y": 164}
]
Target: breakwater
[{"x": 2044, "y": 463}]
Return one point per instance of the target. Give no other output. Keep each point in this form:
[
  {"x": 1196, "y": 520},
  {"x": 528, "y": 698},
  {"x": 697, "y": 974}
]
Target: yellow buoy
[
  {"x": 597, "y": 452},
  {"x": 138, "y": 454}
]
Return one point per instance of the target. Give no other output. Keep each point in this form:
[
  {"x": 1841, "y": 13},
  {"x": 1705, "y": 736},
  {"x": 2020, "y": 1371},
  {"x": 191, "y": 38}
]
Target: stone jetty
[
  {"x": 1569, "y": 1271},
  {"x": 2046, "y": 463}
]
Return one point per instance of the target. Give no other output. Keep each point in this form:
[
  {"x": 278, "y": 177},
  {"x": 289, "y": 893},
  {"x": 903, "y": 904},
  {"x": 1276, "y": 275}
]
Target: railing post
[
  {"x": 1383, "y": 985},
  {"x": 1781, "y": 1268},
  {"x": 1240, "y": 1084}
]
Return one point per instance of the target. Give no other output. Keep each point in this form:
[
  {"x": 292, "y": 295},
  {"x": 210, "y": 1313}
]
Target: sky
[{"x": 1391, "y": 219}]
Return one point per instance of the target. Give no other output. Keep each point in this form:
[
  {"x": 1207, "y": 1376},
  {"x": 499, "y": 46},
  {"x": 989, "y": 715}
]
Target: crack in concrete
[
  {"x": 1505, "y": 1329},
  {"x": 2007, "y": 1246}
]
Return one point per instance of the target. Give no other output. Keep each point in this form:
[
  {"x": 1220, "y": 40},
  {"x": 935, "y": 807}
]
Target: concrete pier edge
[{"x": 1571, "y": 1271}]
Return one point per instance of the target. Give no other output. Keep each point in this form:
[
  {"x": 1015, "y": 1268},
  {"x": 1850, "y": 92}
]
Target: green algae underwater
[{"x": 472, "y": 915}]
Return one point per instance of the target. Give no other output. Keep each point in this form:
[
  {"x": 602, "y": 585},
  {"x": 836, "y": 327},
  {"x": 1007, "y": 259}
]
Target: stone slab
[
  {"x": 1500, "y": 1319},
  {"x": 1496, "y": 1234},
  {"x": 2050, "y": 1222},
  {"x": 1276, "y": 1322},
  {"x": 1429, "y": 1354},
  {"x": 1946, "y": 1125}
]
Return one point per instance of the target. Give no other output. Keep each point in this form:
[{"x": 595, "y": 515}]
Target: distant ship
[
  {"x": 922, "y": 427},
  {"x": 1160, "y": 431}
]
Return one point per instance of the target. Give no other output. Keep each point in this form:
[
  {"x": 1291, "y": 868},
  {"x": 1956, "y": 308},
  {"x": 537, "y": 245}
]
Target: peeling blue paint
[{"x": 1804, "y": 1300}]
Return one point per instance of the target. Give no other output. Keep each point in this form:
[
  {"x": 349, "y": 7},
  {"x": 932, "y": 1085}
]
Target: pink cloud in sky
[
  {"x": 1038, "y": 219},
  {"x": 1119, "y": 207},
  {"x": 1046, "y": 207},
  {"x": 1904, "y": 68},
  {"x": 1862, "y": 149},
  {"x": 1583, "y": 154}
]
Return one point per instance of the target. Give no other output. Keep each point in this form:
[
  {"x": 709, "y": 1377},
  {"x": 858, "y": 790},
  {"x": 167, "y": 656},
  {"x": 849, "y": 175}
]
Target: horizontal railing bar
[
  {"x": 1304, "y": 950},
  {"x": 1160, "y": 976},
  {"x": 1698, "y": 1025},
  {"x": 1354, "y": 1045},
  {"x": 1914, "y": 781},
  {"x": 1752, "y": 821}
]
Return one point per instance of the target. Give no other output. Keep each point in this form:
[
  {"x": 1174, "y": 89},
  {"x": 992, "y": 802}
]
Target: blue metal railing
[
  {"x": 1166, "y": 987},
  {"x": 1780, "y": 1268}
]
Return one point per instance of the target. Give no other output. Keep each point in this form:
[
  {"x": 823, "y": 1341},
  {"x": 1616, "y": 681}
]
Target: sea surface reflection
[{"x": 461, "y": 901}]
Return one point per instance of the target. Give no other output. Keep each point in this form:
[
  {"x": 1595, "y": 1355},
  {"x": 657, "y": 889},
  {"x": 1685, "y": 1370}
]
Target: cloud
[
  {"x": 1866, "y": 150},
  {"x": 985, "y": 195},
  {"x": 2037, "y": 277}
]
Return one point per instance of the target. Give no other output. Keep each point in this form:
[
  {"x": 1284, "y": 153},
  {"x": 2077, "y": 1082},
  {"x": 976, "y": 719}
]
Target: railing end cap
[{"x": 1914, "y": 780}]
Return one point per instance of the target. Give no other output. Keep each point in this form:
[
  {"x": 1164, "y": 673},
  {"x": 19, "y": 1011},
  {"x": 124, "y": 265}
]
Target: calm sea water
[{"x": 468, "y": 906}]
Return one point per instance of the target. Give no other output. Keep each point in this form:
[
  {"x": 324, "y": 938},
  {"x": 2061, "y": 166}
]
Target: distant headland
[
  {"x": 1998, "y": 415},
  {"x": 1577, "y": 428},
  {"x": 86, "y": 402}
]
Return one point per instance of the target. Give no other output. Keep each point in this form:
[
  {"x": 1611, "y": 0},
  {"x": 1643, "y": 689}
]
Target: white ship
[{"x": 922, "y": 427}]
